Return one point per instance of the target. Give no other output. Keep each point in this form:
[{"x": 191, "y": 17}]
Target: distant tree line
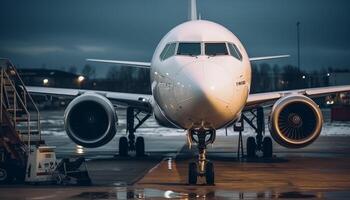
[
  {"x": 265, "y": 78},
  {"x": 119, "y": 78}
]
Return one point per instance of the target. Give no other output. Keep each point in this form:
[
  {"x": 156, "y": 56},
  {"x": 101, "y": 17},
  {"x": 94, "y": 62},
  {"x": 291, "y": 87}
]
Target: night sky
[{"x": 62, "y": 33}]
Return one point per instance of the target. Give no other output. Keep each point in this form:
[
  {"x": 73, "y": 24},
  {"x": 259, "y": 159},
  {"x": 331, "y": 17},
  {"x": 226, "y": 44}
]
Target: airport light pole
[{"x": 298, "y": 41}]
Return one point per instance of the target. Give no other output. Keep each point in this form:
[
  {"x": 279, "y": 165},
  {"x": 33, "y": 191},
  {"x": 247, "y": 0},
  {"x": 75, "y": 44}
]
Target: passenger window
[
  {"x": 190, "y": 49},
  {"x": 234, "y": 51},
  {"x": 215, "y": 49},
  {"x": 170, "y": 52}
]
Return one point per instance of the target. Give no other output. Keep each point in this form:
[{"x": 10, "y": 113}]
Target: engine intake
[
  {"x": 295, "y": 121},
  {"x": 90, "y": 120}
]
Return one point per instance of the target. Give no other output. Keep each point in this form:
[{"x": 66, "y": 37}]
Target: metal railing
[{"x": 21, "y": 100}]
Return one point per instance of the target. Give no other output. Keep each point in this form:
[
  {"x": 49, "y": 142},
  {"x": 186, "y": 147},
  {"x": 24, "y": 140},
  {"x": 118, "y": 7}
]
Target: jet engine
[
  {"x": 90, "y": 120},
  {"x": 295, "y": 121}
]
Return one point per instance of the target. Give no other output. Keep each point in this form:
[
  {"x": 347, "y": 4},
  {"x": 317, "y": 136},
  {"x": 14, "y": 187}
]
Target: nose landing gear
[{"x": 202, "y": 137}]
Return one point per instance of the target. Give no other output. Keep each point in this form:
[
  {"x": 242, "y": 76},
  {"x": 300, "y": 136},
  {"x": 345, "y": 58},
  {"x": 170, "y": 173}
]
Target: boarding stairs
[{"x": 19, "y": 116}]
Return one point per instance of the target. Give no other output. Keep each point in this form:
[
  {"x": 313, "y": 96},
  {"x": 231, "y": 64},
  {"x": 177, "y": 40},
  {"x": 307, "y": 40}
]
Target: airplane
[{"x": 200, "y": 79}]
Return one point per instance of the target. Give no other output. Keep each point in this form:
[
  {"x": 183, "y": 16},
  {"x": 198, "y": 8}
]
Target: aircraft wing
[
  {"x": 148, "y": 64},
  {"x": 268, "y": 97},
  {"x": 127, "y": 63},
  {"x": 268, "y": 57},
  {"x": 142, "y": 101}
]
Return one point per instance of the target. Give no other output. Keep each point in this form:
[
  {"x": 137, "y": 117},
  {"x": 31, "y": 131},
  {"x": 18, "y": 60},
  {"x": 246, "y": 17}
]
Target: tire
[
  {"x": 209, "y": 173},
  {"x": 123, "y": 146},
  {"x": 192, "y": 173},
  {"x": 251, "y": 147},
  {"x": 59, "y": 179},
  {"x": 267, "y": 147},
  {"x": 140, "y": 146},
  {"x": 5, "y": 174}
]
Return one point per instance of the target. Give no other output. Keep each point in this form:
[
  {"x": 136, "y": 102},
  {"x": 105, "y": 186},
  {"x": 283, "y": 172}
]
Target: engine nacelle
[
  {"x": 295, "y": 121},
  {"x": 90, "y": 120}
]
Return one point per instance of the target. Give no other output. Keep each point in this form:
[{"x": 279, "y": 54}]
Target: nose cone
[{"x": 204, "y": 92}]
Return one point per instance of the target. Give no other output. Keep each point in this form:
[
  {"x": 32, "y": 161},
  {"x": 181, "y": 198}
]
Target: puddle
[
  {"x": 95, "y": 195},
  {"x": 295, "y": 195},
  {"x": 191, "y": 193}
]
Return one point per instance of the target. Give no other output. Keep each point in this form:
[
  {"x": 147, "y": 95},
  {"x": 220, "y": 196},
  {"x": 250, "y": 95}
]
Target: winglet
[{"x": 268, "y": 57}]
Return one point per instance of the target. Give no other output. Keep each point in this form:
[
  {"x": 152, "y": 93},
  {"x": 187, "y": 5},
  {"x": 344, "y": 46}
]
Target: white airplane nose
[{"x": 203, "y": 92}]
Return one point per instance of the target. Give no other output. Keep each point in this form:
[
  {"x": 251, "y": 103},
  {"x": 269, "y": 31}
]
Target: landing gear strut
[
  {"x": 127, "y": 144},
  {"x": 202, "y": 137},
  {"x": 261, "y": 142}
]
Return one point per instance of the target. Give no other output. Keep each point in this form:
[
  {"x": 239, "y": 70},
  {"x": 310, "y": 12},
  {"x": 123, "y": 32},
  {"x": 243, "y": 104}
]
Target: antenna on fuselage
[{"x": 193, "y": 10}]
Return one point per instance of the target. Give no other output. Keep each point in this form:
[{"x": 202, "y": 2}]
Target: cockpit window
[
  {"x": 215, "y": 49},
  {"x": 190, "y": 49},
  {"x": 234, "y": 51},
  {"x": 168, "y": 51},
  {"x": 164, "y": 51}
]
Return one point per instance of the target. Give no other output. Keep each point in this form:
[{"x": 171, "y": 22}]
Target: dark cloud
[{"x": 65, "y": 32}]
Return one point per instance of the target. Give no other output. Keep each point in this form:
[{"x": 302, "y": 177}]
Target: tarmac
[{"x": 319, "y": 171}]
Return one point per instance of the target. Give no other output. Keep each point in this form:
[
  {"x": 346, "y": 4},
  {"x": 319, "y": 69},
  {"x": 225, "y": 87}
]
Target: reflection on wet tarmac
[
  {"x": 170, "y": 164},
  {"x": 79, "y": 149},
  {"x": 146, "y": 193}
]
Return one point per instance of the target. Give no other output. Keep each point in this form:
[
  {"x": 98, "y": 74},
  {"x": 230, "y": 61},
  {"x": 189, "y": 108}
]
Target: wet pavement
[
  {"x": 319, "y": 171},
  {"x": 80, "y": 193}
]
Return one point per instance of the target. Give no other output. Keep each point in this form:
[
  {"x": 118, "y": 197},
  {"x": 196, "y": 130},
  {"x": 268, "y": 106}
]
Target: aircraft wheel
[
  {"x": 123, "y": 146},
  {"x": 140, "y": 146},
  {"x": 251, "y": 147},
  {"x": 192, "y": 173},
  {"x": 209, "y": 173},
  {"x": 5, "y": 174},
  {"x": 267, "y": 147}
]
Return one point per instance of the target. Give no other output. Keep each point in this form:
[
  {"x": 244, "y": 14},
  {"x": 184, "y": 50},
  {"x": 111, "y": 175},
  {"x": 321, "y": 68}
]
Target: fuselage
[{"x": 200, "y": 76}]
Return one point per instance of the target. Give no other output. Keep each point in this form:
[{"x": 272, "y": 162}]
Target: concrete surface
[
  {"x": 311, "y": 173},
  {"x": 319, "y": 171}
]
